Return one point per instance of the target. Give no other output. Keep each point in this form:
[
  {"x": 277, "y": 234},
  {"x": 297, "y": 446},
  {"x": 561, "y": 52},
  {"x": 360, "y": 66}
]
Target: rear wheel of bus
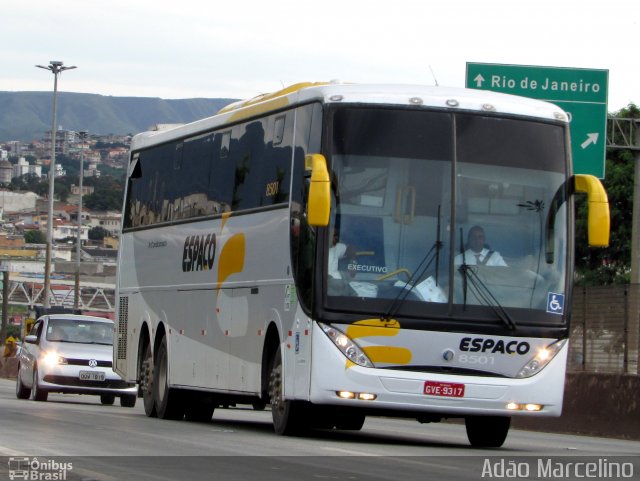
[
  {"x": 146, "y": 383},
  {"x": 168, "y": 400},
  {"x": 487, "y": 431},
  {"x": 199, "y": 406}
]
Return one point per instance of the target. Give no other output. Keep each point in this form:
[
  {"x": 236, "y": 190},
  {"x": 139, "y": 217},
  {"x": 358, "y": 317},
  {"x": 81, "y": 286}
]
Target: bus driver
[{"x": 478, "y": 253}]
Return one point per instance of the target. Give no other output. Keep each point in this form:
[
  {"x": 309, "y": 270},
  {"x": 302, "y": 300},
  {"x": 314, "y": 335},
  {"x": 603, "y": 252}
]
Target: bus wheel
[
  {"x": 146, "y": 383},
  {"x": 350, "y": 421},
  {"x": 288, "y": 418},
  {"x": 168, "y": 401},
  {"x": 487, "y": 431},
  {"x": 199, "y": 407}
]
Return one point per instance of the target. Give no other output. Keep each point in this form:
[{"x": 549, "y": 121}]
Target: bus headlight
[
  {"x": 349, "y": 348},
  {"x": 541, "y": 359}
]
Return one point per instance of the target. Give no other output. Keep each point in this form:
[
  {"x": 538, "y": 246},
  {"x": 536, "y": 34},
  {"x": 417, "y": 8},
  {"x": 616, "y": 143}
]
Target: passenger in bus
[
  {"x": 337, "y": 251},
  {"x": 479, "y": 253}
]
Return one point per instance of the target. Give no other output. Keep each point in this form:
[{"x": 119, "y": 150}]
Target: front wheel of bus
[
  {"x": 487, "y": 431},
  {"x": 146, "y": 383},
  {"x": 168, "y": 400},
  {"x": 287, "y": 416}
]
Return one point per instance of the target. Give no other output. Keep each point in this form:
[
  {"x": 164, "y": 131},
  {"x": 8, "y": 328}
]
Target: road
[{"x": 112, "y": 443}]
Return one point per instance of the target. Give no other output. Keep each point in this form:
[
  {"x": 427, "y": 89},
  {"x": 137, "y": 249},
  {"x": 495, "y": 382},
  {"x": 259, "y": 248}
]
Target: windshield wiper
[
  {"x": 426, "y": 261},
  {"x": 471, "y": 279},
  {"x": 402, "y": 295}
]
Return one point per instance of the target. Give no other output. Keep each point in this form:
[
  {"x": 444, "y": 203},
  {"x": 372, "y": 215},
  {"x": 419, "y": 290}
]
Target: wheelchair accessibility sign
[{"x": 555, "y": 303}]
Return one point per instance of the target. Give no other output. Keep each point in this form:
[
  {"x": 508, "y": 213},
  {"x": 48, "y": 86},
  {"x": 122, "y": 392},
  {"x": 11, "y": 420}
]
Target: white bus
[{"x": 315, "y": 249}]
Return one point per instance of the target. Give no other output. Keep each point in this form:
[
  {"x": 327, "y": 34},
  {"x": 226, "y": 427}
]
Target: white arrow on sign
[
  {"x": 479, "y": 79},
  {"x": 591, "y": 139}
]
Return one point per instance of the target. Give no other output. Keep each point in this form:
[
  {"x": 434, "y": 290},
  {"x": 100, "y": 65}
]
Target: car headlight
[
  {"x": 541, "y": 359},
  {"x": 53, "y": 359},
  {"x": 346, "y": 345}
]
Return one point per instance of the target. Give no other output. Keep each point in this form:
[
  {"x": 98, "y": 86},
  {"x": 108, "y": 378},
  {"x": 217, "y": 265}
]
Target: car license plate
[
  {"x": 446, "y": 389},
  {"x": 91, "y": 376}
]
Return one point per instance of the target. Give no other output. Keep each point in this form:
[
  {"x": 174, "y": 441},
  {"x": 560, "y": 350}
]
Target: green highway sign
[{"x": 582, "y": 93}]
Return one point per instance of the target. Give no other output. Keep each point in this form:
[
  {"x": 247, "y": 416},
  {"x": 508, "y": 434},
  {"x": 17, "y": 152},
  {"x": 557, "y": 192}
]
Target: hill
[{"x": 26, "y": 116}]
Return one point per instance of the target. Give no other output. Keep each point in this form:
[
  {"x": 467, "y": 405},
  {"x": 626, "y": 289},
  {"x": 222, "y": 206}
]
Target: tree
[
  {"x": 29, "y": 182},
  {"x": 104, "y": 199},
  {"x": 35, "y": 237},
  {"x": 609, "y": 265},
  {"x": 98, "y": 233},
  {"x": 62, "y": 191}
]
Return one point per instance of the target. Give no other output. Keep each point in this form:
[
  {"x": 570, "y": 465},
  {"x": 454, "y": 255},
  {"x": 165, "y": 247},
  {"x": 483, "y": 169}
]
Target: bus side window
[
  {"x": 278, "y": 130},
  {"x": 225, "y": 144},
  {"x": 276, "y": 170}
]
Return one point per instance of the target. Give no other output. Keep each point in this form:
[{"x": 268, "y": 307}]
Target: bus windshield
[{"x": 440, "y": 214}]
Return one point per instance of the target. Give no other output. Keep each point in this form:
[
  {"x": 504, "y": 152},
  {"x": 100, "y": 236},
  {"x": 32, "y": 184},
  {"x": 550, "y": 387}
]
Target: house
[
  {"x": 109, "y": 221},
  {"x": 71, "y": 213},
  {"x": 63, "y": 230}
]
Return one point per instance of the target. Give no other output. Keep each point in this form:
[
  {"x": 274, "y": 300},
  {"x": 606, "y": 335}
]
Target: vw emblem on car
[{"x": 93, "y": 363}]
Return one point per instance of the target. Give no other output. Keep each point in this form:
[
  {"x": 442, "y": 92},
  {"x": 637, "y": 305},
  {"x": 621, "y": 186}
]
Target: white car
[{"x": 71, "y": 354}]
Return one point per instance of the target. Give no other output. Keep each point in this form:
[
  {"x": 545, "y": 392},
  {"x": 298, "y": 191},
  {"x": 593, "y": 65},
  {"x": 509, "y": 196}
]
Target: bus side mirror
[
  {"x": 319, "y": 201},
  {"x": 598, "y": 204}
]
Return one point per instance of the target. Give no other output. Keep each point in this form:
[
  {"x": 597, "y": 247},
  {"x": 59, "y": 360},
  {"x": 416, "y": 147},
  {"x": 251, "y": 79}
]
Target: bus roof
[{"x": 455, "y": 99}]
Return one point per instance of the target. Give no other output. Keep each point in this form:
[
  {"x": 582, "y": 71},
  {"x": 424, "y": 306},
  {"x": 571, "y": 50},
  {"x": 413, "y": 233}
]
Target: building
[
  {"x": 92, "y": 171},
  {"x": 23, "y": 167},
  {"x": 64, "y": 140},
  {"x": 86, "y": 189},
  {"x": 6, "y": 172},
  {"x": 108, "y": 221},
  {"x": 16, "y": 147},
  {"x": 18, "y": 201},
  {"x": 64, "y": 230},
  {"x": 8, "y": 241}
]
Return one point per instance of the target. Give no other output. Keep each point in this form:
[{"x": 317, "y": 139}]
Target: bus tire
[
  {"x": 288, "y": 416},
  {"x": 146, "y": 383},
  {"x": 487, "y": 431},
  {"x": 168, "y": 400},
  {"x": 350, "y": 421},
  {"x": 199, "y": 407}
]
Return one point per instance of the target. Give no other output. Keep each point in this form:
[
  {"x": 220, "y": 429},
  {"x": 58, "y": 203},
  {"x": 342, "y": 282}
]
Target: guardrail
[{"x": 93, "y": 296}]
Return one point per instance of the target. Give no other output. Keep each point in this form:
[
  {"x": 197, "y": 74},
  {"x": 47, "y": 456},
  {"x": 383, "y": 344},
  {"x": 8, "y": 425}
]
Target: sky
[{"x": 240, "y": 49}]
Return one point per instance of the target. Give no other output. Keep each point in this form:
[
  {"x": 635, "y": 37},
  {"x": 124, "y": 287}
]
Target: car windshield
[
  {"x": 79, "y": 331},
  {"x": 439, "y": 213}
]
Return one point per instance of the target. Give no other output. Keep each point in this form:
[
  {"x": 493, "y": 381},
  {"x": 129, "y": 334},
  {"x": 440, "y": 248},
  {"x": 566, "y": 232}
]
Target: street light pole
[
  {"x": 76, "y": 304},
  {"x": 56, "y": 67}
]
